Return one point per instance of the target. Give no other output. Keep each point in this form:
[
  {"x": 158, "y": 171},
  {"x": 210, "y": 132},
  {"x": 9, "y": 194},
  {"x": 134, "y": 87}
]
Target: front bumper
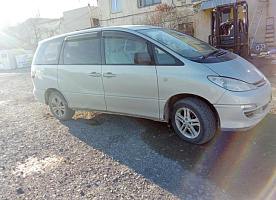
[{"x": 234, "y": 116}]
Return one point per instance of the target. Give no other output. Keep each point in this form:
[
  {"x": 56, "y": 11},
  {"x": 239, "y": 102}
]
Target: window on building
[
  {"x": 143, "y": 3},
  {"x": 82, "y": 52},
  {"x": 116, "y": 6}
]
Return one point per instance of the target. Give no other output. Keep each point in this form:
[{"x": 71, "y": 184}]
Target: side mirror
[{"x": 142, "y": 58}]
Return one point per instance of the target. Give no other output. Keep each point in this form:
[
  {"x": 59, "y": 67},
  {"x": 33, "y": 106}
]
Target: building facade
[
  {"x": 190, "y": 14},
  {"x": 129, "y": 12},
  {"x": 202, "y": 18},
  {"x": 79, "y": 19}
]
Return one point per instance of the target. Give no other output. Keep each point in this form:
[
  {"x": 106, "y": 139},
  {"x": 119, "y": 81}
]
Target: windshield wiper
[{"x": 211, "y": 54}]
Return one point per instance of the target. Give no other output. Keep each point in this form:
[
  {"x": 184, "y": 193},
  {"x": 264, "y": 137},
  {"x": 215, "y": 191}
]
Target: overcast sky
[{"x": 16, "y": 11}]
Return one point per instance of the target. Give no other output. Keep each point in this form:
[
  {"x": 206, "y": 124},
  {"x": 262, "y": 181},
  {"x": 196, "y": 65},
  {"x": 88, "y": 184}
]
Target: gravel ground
[{"x": 100, "y": 156}]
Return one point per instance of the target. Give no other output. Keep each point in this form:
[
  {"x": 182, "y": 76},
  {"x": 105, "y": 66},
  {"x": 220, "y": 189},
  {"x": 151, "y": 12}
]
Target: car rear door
[{"x": 79, "y": 72}]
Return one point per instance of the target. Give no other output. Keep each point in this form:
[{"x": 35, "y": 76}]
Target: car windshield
[{"x": 186, "y": 46}]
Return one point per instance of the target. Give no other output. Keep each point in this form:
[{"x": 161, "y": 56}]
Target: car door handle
[
  {"x": 94, "y": 74},
  {"x": 109, "y": 75}
]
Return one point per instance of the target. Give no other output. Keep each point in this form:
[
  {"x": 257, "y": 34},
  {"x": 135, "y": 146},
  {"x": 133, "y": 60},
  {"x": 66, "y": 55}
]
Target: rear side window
[
  {"x": 85, "y": 51},
  {"x": 48, "y": 52}
]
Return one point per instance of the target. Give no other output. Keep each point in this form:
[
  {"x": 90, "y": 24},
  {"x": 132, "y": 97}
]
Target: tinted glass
[
  {"x": 82, "y": 51},
  {"x": 120, "y": 47},
  {"x": 48, "y": 52},
  {"x": 182, "y": 44},
  {"x": 164, "y": 58}
]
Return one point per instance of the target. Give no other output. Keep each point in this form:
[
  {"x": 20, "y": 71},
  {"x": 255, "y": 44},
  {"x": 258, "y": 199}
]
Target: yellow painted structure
[{"x": 202, "y": 20}]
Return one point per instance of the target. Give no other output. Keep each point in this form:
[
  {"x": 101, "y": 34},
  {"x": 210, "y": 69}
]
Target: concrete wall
[
  {"x": 269, "y": 11},
  {"x": 132, "y": 14},
  {"x": 7, "y": 60},
  {"x": 202, "y": 23},
  {"x": 78, "y": 19}
]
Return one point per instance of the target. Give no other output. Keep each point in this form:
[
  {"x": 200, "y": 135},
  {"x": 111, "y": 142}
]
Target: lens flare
[
  {"x": 228, "y": 160},
  {"x": 269, "y": 190}
]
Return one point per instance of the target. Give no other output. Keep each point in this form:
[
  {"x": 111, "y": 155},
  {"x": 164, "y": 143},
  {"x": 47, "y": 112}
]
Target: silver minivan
[{"x": 153, "y": 73}]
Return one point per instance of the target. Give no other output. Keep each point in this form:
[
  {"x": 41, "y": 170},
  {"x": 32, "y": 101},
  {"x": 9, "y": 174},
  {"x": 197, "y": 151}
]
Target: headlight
[{"x": 231, "y": 84}]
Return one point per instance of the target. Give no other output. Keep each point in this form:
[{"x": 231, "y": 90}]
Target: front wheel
[
  {"x": 193, "y": 120},
  {"x": 59, "y": 107}
]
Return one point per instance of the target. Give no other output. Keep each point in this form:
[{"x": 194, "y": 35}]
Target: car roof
[
  {"x": 130, "y": 27},
  {"x": 125, "y": 27}
]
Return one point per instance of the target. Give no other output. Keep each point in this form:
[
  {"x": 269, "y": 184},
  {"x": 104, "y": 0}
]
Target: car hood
[{"x": 237, "y": 68}]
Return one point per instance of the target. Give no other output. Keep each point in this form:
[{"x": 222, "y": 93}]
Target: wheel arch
[
  {"x": 48, "y": 92},
  {"x": 172, "y": 100}
]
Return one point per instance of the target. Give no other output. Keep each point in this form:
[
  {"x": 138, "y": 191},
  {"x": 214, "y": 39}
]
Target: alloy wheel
[
  {"x": 187, "y": 123},
  {"x": 58, "y": 106}
]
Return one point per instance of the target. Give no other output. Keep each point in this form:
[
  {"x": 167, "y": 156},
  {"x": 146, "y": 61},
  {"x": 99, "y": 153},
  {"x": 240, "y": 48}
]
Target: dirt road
[{"x": 114, "y": 157}]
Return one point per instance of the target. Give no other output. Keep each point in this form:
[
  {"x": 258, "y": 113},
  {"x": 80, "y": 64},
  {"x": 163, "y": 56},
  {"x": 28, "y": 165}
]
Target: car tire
[
  {"x": 193, "y": 120},
  {"x": 59, "y": 107}
]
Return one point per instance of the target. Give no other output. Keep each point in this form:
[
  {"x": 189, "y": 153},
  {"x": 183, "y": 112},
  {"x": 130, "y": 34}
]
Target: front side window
[
  {"x": 164, "y": 58},
  {"x": 116, "y": 6},
  {"x": 48, "y": 52},
  {"x": 184, "y": 45},
  {"x": 121, "y": 48},
  {"x": 143, "y": 3},
  {"x": 82, "y": 52}
]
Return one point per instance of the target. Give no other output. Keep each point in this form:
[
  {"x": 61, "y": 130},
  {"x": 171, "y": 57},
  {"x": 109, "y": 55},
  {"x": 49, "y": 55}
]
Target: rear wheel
[
  {"x": 193, "y": 120},
  {"x": 59, "y": 107}
]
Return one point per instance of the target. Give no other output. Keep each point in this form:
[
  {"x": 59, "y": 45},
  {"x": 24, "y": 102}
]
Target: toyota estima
[{"x": 153, "y": 73}]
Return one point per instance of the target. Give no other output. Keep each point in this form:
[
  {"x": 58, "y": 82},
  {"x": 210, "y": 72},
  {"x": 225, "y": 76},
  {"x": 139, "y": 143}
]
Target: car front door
[
  {"x": 79, "y": 72},
  {"x": 129, "y": 88}
]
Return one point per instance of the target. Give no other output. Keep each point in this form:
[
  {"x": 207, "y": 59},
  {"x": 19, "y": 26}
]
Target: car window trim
[
  {"x": 58, "y": 53},
  {"x": 82, "y": 36},
  {"x": 180, "y": 63},
  {"x": 119, "y": 33},
  {"x": 78, "y": 38}
]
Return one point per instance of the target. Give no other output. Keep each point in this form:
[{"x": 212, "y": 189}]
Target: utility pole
[{"x": 90, "y": 14}]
